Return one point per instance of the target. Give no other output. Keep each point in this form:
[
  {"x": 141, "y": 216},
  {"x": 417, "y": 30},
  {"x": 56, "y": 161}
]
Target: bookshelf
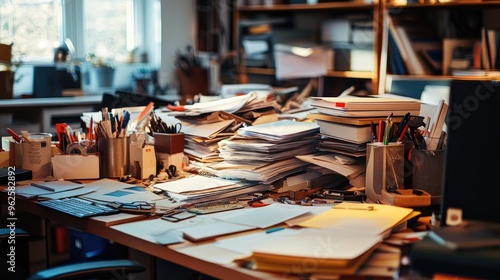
[
  {"x": 305, "y": 21},
  {"x": 452, "y": 21}
]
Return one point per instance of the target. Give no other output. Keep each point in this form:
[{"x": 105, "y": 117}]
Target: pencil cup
[
  {"x": 169, "y": 149},
  {"x": 425, "y": 172},
  {"x": 37, "y": 154},
  {"x": 384, "y": 168},
  {"x": 113, "y": 157}
]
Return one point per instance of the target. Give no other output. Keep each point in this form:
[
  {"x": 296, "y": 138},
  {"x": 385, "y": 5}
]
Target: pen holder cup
[
  {"x": 113, "y": 157},
  {"x": 192, "y": 81},
  {"x": 15, "y": 154},
  {"x": 169, "y": 149},
  {"x": 425, "y": 172},
  {"x": 37, "y": 154},
  {"x": 384, "y": 168}
]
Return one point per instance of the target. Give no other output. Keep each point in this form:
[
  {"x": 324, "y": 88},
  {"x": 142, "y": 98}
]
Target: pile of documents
[
  {"x": 202, "y": 134},
  {"x": 205, "y": 124},
  {"x": 266, "y": 152},
  {"x": 315, "y": 251},
  {"x": 248, "y": 106},
  {"x": 198, "y": 188},
  {"x": 337, "y": 241}
]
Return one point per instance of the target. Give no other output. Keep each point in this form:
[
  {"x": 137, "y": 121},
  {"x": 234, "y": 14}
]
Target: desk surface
[{"x": 166, "y": 252}]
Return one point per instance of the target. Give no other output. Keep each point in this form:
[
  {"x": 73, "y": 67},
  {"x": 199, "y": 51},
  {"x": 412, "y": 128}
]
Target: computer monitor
[
  {"x": 472, "y": 153},
  {"x": 51, "y": 80}
]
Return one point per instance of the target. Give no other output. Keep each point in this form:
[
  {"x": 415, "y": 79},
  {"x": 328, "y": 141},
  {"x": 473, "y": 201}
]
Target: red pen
[
  {"x": 403, "y": 132},
  {"x": 14, "y": 135},
  {"x": 380, "y": 132}
]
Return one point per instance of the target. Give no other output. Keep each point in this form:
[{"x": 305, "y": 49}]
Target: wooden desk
[{"x": 168, "y": 253}]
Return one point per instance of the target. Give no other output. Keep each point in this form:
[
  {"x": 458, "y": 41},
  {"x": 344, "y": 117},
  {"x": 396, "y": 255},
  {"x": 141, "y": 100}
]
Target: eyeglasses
[{"x": 135, "y": 206}]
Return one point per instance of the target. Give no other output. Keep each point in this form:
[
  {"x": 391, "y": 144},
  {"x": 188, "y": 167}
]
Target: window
[
  {"x": 107, "y": 28},
  {"x": 34, "y": 35}
]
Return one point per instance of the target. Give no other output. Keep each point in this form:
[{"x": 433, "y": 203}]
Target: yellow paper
[{"x": 348, "y": 216}]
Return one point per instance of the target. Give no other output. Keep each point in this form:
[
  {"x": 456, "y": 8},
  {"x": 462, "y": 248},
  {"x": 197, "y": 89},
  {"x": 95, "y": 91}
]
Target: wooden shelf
[
  {"x": 440, "y": 78},
  {"x": 443, "y": 4},
  {"x": 380, "y": 11},
  {"x": 339, "y": 74},
  {"x": 305, "y": 7}
]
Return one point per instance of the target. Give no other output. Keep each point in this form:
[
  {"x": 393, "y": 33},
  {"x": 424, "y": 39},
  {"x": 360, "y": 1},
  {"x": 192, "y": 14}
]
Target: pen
[
  {"x": 403, "y": 132},
  {"x": 402, "y": 125},
  {"x": 381, "y": 128},
  {"x": 14, "y": 135},
  {"x": 367, "y": 208},
  {"x": 271, "y": 230},
  {"x": 387, "y": 132}
]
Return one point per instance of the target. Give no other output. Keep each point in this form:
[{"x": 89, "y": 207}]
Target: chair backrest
[
  {"x": 108, "y": 269},
  {"x": 121, "y": 99}
]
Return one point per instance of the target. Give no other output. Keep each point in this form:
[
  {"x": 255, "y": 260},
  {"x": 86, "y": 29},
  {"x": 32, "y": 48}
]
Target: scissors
[
  {"x": 171, "y": 171},
  {"x": 175, "y": 128}
]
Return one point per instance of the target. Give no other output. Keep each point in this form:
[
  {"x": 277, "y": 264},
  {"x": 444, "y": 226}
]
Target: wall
[{"x": 178, "y": 31}]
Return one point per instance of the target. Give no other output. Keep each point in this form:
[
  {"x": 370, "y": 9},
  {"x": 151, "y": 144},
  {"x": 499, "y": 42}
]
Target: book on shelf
[
  {"x": 452, "y": 46},
  {"x": 400, "y": 47},
  {"x": 396, "y": 63},
  {"x": 490, "y": 39},
  {"x": 349, "y": 133},
  {"x": 419, "y": 45}
]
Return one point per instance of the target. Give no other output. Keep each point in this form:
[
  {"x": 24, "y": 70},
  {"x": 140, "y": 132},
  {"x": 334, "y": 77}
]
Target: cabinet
[
  {"x": 450, "y": 21},
  {"x": 282, "y": 23}
]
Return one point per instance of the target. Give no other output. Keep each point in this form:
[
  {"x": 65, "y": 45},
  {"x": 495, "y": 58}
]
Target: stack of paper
[
  {"x": 371, "y": 219},
  {"x": 246, "y": 106},
  {"x": 266, "y": 152},
  {"x": 199, "y": 188},
  {"x": 202, "y": 134},
  {"x": 350, "y": 170},
  {"x": 51, "y": 189},
  {"x": 315, "y": 251}
]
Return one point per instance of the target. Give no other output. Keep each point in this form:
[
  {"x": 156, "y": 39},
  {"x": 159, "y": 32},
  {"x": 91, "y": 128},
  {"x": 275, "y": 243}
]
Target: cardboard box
[
  {"x": 142, "y": 160},
  {"x": 75, "y": 166},
  {"x": 314, "y": 60}
]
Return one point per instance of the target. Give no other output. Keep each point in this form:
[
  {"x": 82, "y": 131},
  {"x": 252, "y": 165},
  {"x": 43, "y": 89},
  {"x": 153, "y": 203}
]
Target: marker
[{"x": 271, "y": 230}]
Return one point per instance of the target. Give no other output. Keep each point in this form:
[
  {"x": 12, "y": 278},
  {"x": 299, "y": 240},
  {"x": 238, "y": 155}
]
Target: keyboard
[{"x": 78, "y": 207}]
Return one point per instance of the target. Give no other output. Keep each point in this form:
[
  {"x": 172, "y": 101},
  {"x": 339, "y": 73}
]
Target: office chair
[
  {"x": 109, "y": 269},
  {"x": 104, "y": 269}
]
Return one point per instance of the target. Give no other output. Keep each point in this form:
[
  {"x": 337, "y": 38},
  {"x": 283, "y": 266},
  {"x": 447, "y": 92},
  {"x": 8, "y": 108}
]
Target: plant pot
[{"x": 103, "y": 76}]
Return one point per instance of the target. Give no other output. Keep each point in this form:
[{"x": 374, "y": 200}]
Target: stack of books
[{"x": 348, "y": 123}]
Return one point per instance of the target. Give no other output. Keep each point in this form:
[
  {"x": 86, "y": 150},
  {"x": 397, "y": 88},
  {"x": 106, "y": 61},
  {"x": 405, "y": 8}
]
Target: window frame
[{"x": 142, "y": 37}]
